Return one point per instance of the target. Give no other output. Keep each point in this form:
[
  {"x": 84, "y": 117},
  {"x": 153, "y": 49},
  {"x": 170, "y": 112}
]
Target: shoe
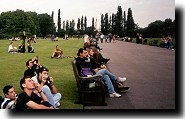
[
  {"x": 114, "y": 95},
  {"x": 121, "y": 79},
  {"x": 58, "y": 104},
  {"x": 123, "y": 87},
  {"x": 106, "y": 60}
]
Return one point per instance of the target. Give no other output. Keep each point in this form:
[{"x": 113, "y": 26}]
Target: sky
[{"x": 144, "y": 11}]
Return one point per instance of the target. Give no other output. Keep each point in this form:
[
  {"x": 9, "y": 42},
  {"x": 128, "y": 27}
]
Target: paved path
[{"x": 150, "y": 73}]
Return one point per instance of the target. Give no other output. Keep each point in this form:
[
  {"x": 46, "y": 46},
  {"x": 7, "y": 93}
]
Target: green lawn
[{"x": 12, "y": 67}]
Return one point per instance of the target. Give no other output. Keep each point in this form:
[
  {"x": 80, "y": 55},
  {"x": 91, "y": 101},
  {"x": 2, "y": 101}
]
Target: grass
[{"x": 13, "y": 67}]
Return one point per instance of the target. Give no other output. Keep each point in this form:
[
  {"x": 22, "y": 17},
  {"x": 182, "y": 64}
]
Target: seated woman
[
  {"x": 102, "y": 65},
  {"x": 98, "y": 57},
  {"x": 57, "y": 53},
  {"x": 11, "y": 48},
  {"x": 83, "y": 61}
]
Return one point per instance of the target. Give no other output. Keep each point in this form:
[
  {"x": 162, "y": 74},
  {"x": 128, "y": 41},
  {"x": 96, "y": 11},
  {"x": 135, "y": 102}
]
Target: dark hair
[
  {"x": 80, "y": 51},
  {"x": 27, "y": 63},
  {"x": 23, "y": 81},
  {"x": 6, "y": 89},
  {"x": 42, "y": 69}
]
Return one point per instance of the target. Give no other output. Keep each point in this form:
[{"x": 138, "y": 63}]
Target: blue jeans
[
  {"x": 170, "y": 45},
  {"x": 52, "y": 98},
  {"x": 57, "y": 97},
  {"x": 107, "y": 77}
]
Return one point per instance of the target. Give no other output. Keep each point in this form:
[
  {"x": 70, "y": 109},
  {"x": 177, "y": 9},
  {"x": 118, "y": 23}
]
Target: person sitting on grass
[
  {"x": 22, "y": 48},
  {"x": 83, "y": 62},
  {"x": 11, "y": 48},
  {"x": 57, "y": 53},
  {"x": 30, "y": 47},
  {"x": 10, "y": 97},
  {"x": 33, "y": 66},
  {"x": 28, "y": 99},
  {"x": 47, "y": 86}
]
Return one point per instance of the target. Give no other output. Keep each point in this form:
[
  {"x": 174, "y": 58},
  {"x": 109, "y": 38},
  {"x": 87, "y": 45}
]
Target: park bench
[{"x": 91, "y": 90}]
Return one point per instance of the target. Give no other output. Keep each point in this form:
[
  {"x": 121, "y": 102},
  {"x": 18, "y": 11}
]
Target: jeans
[
  {"x": 57, "y": 97},
  {"x": 107, "y": 77},
  {"x": 52, "y": 98}
]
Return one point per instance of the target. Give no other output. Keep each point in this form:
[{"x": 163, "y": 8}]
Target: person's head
[
  {"x": 90, "y": 51},
  {"x": 43, "y": 72},
  {"x": 29, "y": 63},
  {"x": 26, "y": 83},
  {"x": 82, "y": 53},
  {"x": 9, "y": 92}
]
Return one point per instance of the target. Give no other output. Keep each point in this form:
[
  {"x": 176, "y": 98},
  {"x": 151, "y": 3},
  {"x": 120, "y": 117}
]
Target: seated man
[
  {"x": 30, "y": 48},
  {"x": 22, "y": 48},
  {"x": 28, "y": 99},
  {"x": 33, "y": 65},
  {"x": 83, "y": 62},
  {"x": 47, "y": 85},
  {"x": 57, "y": 53},
  {"x": 10, "y": 98}
]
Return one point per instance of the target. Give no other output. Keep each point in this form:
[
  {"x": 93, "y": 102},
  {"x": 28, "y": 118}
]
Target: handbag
[{"x": 86, "y": 72}]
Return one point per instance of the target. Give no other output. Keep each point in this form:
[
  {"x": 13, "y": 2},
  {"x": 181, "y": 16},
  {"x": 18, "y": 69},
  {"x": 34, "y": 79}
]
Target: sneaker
[
  {"x": 121, "y": 79},
  {"x": 58, "y": 104},
  {"x": 114, "y": 95}
]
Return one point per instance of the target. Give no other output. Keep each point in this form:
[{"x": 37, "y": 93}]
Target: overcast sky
[{"x": 144, "y": 11}]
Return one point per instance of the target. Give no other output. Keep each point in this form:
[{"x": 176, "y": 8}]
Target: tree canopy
[{"x": 12, "y": 23}]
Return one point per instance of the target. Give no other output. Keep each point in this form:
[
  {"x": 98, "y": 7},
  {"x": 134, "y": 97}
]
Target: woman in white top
[{"x": 11, "y": 48}]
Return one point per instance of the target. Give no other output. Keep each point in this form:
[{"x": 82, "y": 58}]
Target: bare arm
[
  {"x": 53, "y": 87},
  {"x": 34, "y": 105}
]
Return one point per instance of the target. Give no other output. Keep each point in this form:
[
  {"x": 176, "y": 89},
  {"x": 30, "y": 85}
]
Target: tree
[
  {"x": 113, "y": 24},
  {"x": 168, "y": 26},
  {"x": 106, "y": 25},
  {"x": 85, "y": 23},
  {"x": 155, "y": 29},
  {"x": 78, "y": 25},
  {"x": 59, "y": 20},
  {"x": 82, "y": 24},
  {"x": 64, "y": 25},
  {"x": 52, "y": 16},
  {"x": 92, "y": 24},
  {"x": 67, "y": 26},
  {"x": 110, "y": 24},
  {"x": 119, "y": 21},
  {"x": 130, "y": 25},
  {"x": 45, "y": 24},
  {"x": 124, "y": 21},
  {"x": 102, "y": 24}
]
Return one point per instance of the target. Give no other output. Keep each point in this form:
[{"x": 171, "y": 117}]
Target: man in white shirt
[{"x": 10, "y": 97}]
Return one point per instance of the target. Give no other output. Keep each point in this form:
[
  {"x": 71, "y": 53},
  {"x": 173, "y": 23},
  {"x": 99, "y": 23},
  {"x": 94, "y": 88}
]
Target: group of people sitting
[
  {"x": 92, "y": 59},
  {"x": 21, "y": 48},
  {"x": 91, "y": 42},
  {"x": 39, "y": 90}
]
